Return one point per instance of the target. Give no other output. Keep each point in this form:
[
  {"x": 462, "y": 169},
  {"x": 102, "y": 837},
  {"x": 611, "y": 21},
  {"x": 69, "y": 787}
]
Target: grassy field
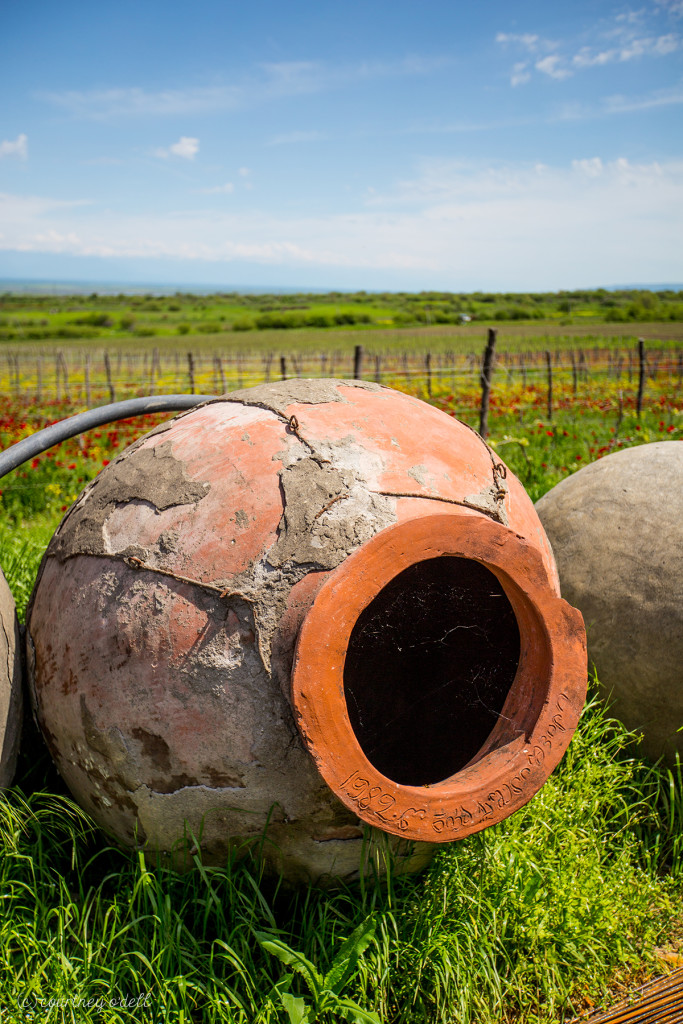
[
  {"x": 536, "y": 920},
  {"x": 30, "y": 318}
]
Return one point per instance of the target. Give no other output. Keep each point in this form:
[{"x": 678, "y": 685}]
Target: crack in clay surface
[
  {"x": 233, "y": 670},
  {"x": 278, "y": 397},
  {"x": 490, "y": 501},
  {"x": 313, "y": 529},
  {"x": 154, "y": 477},
  {"x": 315, "y": 534}
]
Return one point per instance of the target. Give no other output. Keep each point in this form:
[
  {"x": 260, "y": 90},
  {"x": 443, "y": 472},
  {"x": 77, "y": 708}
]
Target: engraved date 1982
[{"x": 382, "y": 805}]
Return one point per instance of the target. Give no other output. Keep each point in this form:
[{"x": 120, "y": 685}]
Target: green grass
[
  {"x": 562, "y": 902},
  {"x": 517, "y": 923},
  {"x": 231, "y": 318}
]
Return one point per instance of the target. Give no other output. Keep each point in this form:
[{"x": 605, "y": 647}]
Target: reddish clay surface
[
  {"x": 537, "y": 720},
  {"x": 162, "y": 628}
]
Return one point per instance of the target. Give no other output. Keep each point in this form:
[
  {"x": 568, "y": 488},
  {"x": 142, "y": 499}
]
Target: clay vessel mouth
[
  {"x": 430, "y": 663},
  {"x": 438, "y": 677}
]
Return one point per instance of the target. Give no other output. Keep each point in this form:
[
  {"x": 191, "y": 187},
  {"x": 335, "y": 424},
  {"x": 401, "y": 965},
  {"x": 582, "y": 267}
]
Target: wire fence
[{"x": 87, "y": 378}]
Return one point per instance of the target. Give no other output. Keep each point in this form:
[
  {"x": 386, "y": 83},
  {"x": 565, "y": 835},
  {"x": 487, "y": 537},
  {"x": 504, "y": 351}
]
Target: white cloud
[
  {"x": 288, "y": 138},
  {"x": 17, "y": 148},
  {"x": 631, "y": 49},
  {"x": 592, "y": 167},
  {"x": 106, "y": 103},
  {"x": 586, "y": 58},
  {"x": 592, "y": 221},
  {"x": 674, "y": 7},
  {"x": 629, "y": 104},
  {"x": 265, "y": 83},
  {"x": 244, "y": 172},
  {"x": 624, "y": 38},
  {"x": 620, "y": 104},
  {"x": 292, "y": 72},
  {"x": 553, "y": 66},
  {"x": 186, "y": 147},
  {"x": 525, "y": 39},
  {"x": 666, "y": 44},
  {"x": 227, "y": 189},
  {"x": 520, "y": 75}
]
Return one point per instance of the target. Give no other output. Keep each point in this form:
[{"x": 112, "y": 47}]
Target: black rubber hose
[{"x": 39, "y": 442}]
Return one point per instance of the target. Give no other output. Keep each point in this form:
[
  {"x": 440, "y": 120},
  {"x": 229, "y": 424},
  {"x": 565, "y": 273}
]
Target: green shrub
[
  {"x": 93, "y": 319},
  {"x": 319, "y": 320}
]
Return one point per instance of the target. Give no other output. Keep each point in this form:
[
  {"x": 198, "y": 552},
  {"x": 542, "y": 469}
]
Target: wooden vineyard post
[
  {"x": 88, "y": 396},
  {"x": 154, "y": 371},
  {"x": 549, "y": 367},
  {"x": 575, "y": 377},
  {"x": 485, "y": 378},
  {"x": 620, "y": 413},
  {"x": 110, "y": 383},
  {"x": 358, "y": 362},
  {"x": 641, "y": 377},
  {"x": 190, "y": 370},
  {"x": 283, "y": 368},
  {"x": 65, "y": 375},
  {"x": 221, "y": 374},
  {"x": 39, "y": 373},
  {"x": 428, "y": 372},
  {"x": 378, "y": 368}
]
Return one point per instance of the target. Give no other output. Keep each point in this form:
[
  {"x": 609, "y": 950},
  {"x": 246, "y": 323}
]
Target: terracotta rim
[{"x": 538, "y": 718}]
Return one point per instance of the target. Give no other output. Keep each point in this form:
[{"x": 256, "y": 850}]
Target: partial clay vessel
[
  {"x": 11, "y": 704},
  {"x": 617, "y": 530},
  {"x": 295, "y": 610}
]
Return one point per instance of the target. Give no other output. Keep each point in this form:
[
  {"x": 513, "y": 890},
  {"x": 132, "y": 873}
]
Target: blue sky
[{"x": 394, "y": 145}]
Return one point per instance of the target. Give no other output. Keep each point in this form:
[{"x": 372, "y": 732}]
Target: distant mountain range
[
  {"x": 29, "y": 286},
  {"x": 645, "y": 287}
]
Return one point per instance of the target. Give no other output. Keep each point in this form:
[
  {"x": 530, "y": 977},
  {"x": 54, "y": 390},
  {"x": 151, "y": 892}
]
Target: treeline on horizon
[{"x": 41, "y": 317}]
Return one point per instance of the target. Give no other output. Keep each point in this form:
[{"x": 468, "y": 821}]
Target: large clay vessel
[
  {"x": 616, "y": 528},
  {"x": 11, "y": 704},
  {"x": 296, "y": 610}
]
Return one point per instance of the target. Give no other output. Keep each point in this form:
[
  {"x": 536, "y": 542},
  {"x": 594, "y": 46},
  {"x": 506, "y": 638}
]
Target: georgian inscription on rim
[
  {"x": 384, "y": 806},
  {"x": 374, "y": 800}
]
